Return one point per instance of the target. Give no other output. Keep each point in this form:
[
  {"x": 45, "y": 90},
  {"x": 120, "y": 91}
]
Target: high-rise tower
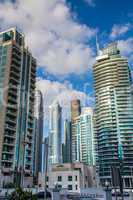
[
  {"x": 85, "y": 147},
  {"x": 17, "y": 84},
  {"x": 55, "y": 134},
  {"x": 67, "y": 142},
  {"x": 38, "y": 134},
  {"x": 75, "y": 112},
  {"x": 114, "y": 114},
  {"x": 75, "y": 109}
]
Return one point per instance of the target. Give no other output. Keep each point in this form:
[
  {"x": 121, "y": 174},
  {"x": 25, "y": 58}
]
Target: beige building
[
  {"x": 71, "y": 177},
  {"x": 17, "y": 85},
  {"x": 75, "y": 112}
]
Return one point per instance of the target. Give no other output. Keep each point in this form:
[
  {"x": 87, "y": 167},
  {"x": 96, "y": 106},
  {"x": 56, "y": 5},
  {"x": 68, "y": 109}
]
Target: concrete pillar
[
  {"x": 56, "y": 194},
  {"x": 131, "y": 196},
  {"x": 108, "y": 194}
]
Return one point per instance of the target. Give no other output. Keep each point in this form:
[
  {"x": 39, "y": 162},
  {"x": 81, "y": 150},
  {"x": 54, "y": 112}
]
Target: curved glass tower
[{"x": 114, "y": 114}]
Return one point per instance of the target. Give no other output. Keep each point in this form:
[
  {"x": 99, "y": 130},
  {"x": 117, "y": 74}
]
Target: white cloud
[
  {"x": 118, "y": 30},
  {"x": 126, "y": 48},
  {"x": 54, "y": 36},
  {"x": 90, "y": 2}
]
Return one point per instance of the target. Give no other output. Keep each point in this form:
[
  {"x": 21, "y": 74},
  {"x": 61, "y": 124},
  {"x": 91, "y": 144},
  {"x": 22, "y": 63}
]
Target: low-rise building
[{"x": 70, "y": 176}]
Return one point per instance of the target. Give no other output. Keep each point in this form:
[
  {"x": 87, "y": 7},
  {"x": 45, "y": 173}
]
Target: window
[
  {"x": 4, "y": 60},
  {"x": 59, "y": 187},
  {"x": 76, "y": 178},
  {"x": 70, "y": 187},
  {"x": 47, "y": 178},
  {"x": 76, "y": 187},
  {"x": 5, "y": 50},
  {"x": 60, "y": 178},
  {"x": 127, "y": 182},
  {"x": 46, "y": 186},
  {"x": 69, "y": 178},
  {"x": 86, "y": 178}
]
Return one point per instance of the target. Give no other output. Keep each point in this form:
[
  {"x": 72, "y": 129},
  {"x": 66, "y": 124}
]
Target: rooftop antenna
[{"x": 97, "y": 45}]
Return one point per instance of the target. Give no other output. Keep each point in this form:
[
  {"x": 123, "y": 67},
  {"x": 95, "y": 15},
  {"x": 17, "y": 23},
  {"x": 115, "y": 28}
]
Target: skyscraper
[
  {"x": 75, "y": 112},
  {"x": 67, "y": 156},
  {"x": 114, "y": 114},
  {"x": 84, "y": 132},
  {"x": 55, "y": 134},
  {"x": 38, "y": 135},
  {"x": 45, "y": 155},
  {"x": 17, "y": 83},
  {"x": 75, "y": 109}
]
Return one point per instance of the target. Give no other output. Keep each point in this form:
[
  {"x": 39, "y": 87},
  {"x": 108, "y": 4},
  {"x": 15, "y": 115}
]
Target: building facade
[
  {"x": 114, "y": 114},
  {"x": 70, "y": 177},
  {"x": 55, "y": 148},
  {"x": 75, "y": 109},
  {"x": 38, "y": 134},
  {"x": 17, "y": 83},
  {"x": 67, "y": 156},
  {"x": 75, "y": 112},
  {"x": 45, "y": 154},
  {"x": 83, "y": 127}
]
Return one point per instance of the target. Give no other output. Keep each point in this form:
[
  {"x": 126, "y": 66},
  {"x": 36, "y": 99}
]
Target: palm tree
[{"x": 19, "y": 194}]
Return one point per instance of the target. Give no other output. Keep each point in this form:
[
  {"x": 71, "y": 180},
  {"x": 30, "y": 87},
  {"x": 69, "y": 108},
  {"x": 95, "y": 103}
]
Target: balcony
[
  {"x": 11, "y": 120},
  {"x": 7, "y": 170},
  {"x": 12, "y": 136},
  {"x": 8, "y": 144},
  {"x": 14, "y": 80},
  {"x": 10, "y": 152},
  {"x": 14, "y": 74},
  {"x": 8, "y": 127},
  {"x": 12, "y": 113}
]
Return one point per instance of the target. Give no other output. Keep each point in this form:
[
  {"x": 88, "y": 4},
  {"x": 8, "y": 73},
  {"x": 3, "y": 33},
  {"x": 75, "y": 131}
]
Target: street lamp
[{"x": 108, "y": 191}]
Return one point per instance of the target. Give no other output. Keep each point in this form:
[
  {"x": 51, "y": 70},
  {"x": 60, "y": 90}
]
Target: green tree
[{"x": 20, "y": 194}]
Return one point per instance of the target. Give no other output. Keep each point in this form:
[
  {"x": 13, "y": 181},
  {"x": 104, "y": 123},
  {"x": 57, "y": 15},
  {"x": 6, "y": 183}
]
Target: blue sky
[
  {"x": 61, "y": 35},
  {"x": 101, "y": 15}
]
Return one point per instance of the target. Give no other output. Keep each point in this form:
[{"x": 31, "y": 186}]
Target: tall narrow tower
[
  {"x": 75, "y": 109},
  {"x": 55, "y": 133},
  {"x": 38, "y": 134},
  {"x": 17, "y": 84},
  {"x": 75, "y": 112},
  {"x": 114, "y": 114},
  {"x": 67, "y": 142}
]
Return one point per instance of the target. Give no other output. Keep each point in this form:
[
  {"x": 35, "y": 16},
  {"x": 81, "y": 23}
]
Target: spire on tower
[{"x": 97, "y": 45}]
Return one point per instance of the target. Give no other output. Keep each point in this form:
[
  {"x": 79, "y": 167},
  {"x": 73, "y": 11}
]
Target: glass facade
[
  {"x": 55, "y": 134},
  {"x": 114, "y": 114},
  {"x": 84, "y": 145}
]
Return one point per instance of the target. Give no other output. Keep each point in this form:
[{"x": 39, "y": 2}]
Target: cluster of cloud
[
  {"x": 119, "y": 30},
  {"x": 126, "y": 48},
  {"x": 52, "y": 32}
]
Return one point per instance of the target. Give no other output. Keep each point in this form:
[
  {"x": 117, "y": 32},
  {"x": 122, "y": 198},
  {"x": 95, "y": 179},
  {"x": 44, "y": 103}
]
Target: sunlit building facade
[
  {"x": 83, "y": 127},
  {"x": 17, "y": 85},
  {"x": 114, "y": 114},
  {"x": 75, "y": 112}
]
